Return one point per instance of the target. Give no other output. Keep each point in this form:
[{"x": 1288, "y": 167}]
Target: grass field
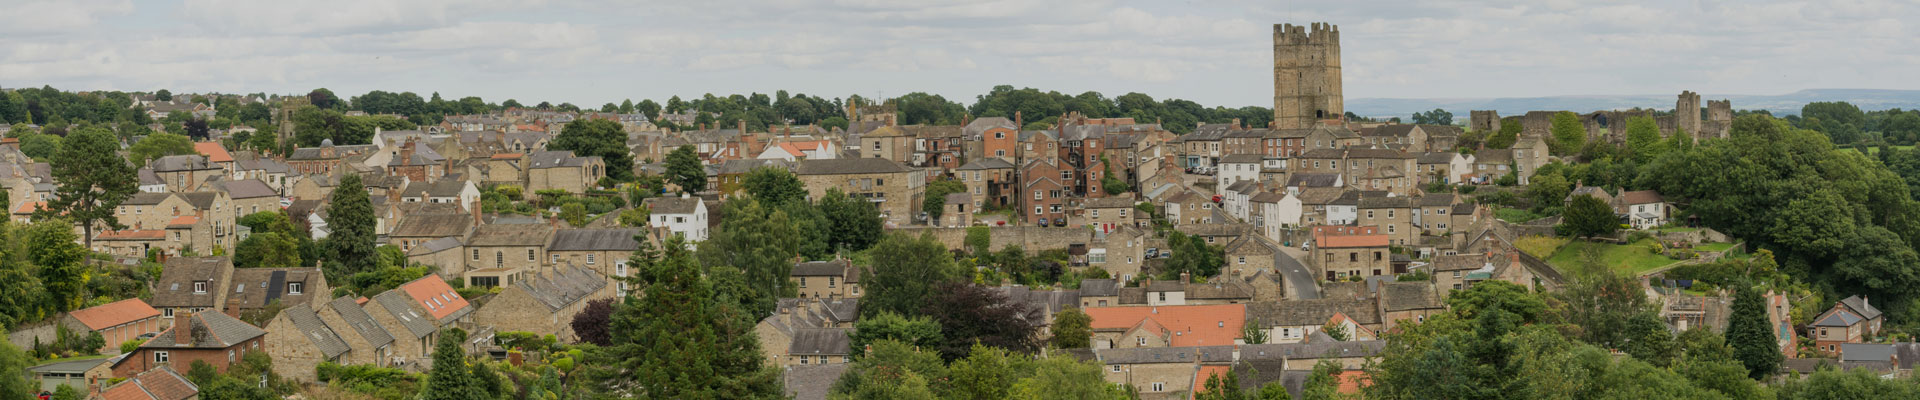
[
  {"x": 1705, "y": 247},
  {"x": 1634, "y": 257}
]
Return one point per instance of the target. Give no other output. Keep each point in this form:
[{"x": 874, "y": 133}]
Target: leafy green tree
[
  {"x": 92, "y": 181},
  {"x": 324, "y": 99},
  {"x": 978, "y": 240},
  {"x": 676, "y": 340},
  {"x": 1588, "y": 216},
  {"x": 935, "y": 202},
  {"x": 599, "y": 138},
  {"x": 1643, "y": 138},
  {"x": 1548, "y": 188},
  {"x": 1066, "y": 378},
  {"x": 814, "y": 229},
  {"x": 855, "y": 223},
  {"x": 906, "y": 270},
  {"x": 450, "y": 378},
  {"x": 986, "y": 373},
  {"x": 889, "y": 363},
  {"x": 1194, "y": 256},
  {"x": 63, "y": 273},
  {"x": 1648, "y": 339},
  {"x": 158, "y": 145},
  {"x": 1435, "y": 117},
  {"x": 684, "y": 170},
  {"x": 917, "y": 331},
  {"x": 350, "y": 245},
  {"x": 1336, "y": 331},
  {"x": 775, "y": 186},
  {"x": 1569, "y": 135},
  {"x": 1751, "y": 335},
  {"x": 13, "y": 371},
  {"x": 267, "y": 250},
  {"x": 761, "y": 242},
  {"x": 1859, "y": 383},
  {"x": 1072, "y": 329},
  {"x": 574, "y": 213}
]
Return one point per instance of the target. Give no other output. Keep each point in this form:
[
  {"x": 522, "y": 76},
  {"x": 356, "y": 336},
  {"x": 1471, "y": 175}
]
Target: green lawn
[
  {"x": 1634, "y": 257},
  {"x": 1677, "y": 229}
]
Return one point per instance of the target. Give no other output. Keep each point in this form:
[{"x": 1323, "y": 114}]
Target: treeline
[{"x": 1846, "y": 124}]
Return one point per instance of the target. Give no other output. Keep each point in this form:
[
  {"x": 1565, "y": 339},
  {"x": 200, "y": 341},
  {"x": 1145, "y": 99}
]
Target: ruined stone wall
[
  {"x": 1719, "y": 119},
  {"x": 1537, "y": 123},
  {"x": 1306, "y": 75},
  {"x": 1485, "y": 121}
]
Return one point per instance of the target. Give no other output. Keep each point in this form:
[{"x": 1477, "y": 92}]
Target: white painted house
[{"x": 686, "y": 216}]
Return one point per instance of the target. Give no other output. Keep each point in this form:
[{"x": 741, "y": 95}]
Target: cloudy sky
[{"x": 1214, "y": 52}]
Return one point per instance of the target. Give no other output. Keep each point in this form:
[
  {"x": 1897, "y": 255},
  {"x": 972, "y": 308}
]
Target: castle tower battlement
[{"x": 1306, "y": 75}]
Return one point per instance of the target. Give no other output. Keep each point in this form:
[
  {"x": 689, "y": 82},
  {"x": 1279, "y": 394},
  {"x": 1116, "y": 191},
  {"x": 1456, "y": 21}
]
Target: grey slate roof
[
  {"x": 1436, "y": 200},
  {"x": 985, "y": 164},
  {"x": 821, "y": 341},
  {"x": 396, "y": 303},
  {"x": 619, "y": 239},
  {"x": 200, "y": 200},
  {"x": 1860, "y": 304},
  {"x": 1099, "y": 287},
  {"x": 1165, "y": 355},
  {"x": 247, "y": 189},
  {"x": 673, "y": 205},
  {"x": 556, "y": 159},
  {"x": 1865, "y": 352},
  {"x": 316, "y": 332},
  {"x": 432, "y": 225},
  {"x": 435, "y": 246},
  {"x": 511, "y": 235},
  {"x": 1386, "y": 202},
  {"x": 562, "y": 287},
  {"x": 209, "y": 330},
  {"x": 1402, "y": 296},
  {"x": 1311, "y": 312},
  {"x": 441, "y": 188},
  {"x": 1436, "y": 158},
  {"x": 1241, "y": 159},
  {"x": 821, "y": 268},
  {"x": 179, "y": 163},
  {"x": 1313, "y": 179},
  {"x": 812, "y": 382},
  {"x": 175, "y": 287},
  {"x": 361, "y": 322},
  {"x": 1312, "y": 349},
  {"x": 1838, "y": 319}
]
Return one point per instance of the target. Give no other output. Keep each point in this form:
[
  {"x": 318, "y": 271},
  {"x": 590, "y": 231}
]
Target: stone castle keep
[{"x": 1306, "y": 75}]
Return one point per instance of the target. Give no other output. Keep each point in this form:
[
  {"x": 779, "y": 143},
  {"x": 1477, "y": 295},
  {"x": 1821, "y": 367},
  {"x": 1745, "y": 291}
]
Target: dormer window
[
  {"x": 199, "y": 287},
  {"x": 296, "y": 287}
]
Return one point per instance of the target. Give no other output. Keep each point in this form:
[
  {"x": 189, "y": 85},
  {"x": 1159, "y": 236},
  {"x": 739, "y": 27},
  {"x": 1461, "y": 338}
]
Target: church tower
[{"x": 1306, "y": 75}]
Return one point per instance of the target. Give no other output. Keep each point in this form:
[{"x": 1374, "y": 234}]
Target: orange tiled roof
[
  {"x": 1207, "y": 372},
  {"x": 115, "y": 313},
  {"x": 1342, "y": 241},
  {"x": 132, "y": 234},
  {"x": 1208, "y": 325},
  {"x": 184, "y": 220},
  {"x": 532, "y": 128},
  {"x": 214, "y": 151},
  {"x": 435, "y": 296},
  {"x": 30, "y": 207},
  {"x": 1353, "y": 380}
]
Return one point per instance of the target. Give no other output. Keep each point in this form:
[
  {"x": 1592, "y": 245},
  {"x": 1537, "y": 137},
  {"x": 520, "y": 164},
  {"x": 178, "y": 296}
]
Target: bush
[{"x": 131, "y": 345}]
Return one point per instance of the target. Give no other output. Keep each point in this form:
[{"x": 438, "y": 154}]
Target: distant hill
[{"x": 1867, "y": 99}]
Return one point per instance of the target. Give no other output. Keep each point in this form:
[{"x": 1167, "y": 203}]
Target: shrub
[{"x": 131, "y": 345}]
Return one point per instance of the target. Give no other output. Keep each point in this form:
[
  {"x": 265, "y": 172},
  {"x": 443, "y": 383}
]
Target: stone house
[
  {"x": 1249, "y": 254},
  {"x": 299, "y": 341},
  {"x": 561, "y": 170},
  {"x": 731, "y": 176},
  {"x": 446, "y": 191},
  {"x": 255, "y": 289},
  {"x": 248, "y": 195},
  {"x": 132, "y": 242},
  {"x": 215, "y": 338},
  {"x": 1345, "y": 251},
  {"x": 1292, "y": 321},
  {"x": 275, "y": 174},
  {"x": 324, "y": 160},
  {"x": 1449, "y": 271},
  {"x": 895, "y": 189},
  {"x": 1393, "y": 215},
  {"x": 506, "y": 169},
  {"x": 685, "y": 216},
  {"x": 368, "y": 343},
  {"x": 1109, "y": 213},
  {"x": 1122, "y": 252},
  {"x": 1204, "y": 145},
  {"x": 503, "y": 254},
  {"x": 191, "y": 285},
  {"x": 819, "y": 346},
  {"x": 417, "y": 162},
  {"x": 185, "y": 172},
  {"x": 1188, "y": 207},
  {"x": 1162, "y": 373},
  {"x": 1852, "y": 320},
  {"x": 1432, "y": 216},
  {"x": 1407, "y": 302},
  {"x": 1242, "y": 142},
  {"x": 1036, "y": 145},
  {"x": 1398, "y": 136},
  {"x": 827, "y": 279},
  {"x": 1324, "y": 206},
  {"x": 888, "y": 143},
  {"x": 1332, "y": 137},
  {"x": 416, "y": 312},
  {"x": 544, "y": 303},
  {"x": 1443, "y": 167},
  {"x": 1167, "y": 326},
  {"x": 956, "y": 211},
  {"x": 117, "y": 322},
  {"x": 1099, "y": 293},
  {"x": 605, "y": 251},
  {"x": 990, "y": 181},
  {"x": 151, "y": 210},
  {"x": 86, "y": 374},
  {"x": 778, "y": 332},
  {"x": 1488, "y": 166},
  {"x": 418, "y": 228}
]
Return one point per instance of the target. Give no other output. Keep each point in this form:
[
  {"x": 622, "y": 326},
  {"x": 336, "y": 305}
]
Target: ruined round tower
[{"x": 1306, "y": 75}]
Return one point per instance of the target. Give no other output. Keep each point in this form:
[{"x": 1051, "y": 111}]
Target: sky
[{"x": 1214, "y": 52}]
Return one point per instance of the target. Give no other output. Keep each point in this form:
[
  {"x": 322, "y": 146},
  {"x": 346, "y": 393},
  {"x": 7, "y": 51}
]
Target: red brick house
[
  {"x": 1851, "y": 321},
  {"x": 1043, "y": 193},
  {"x": 118, "y": 321},
  {"x": 213, "y": 337}
]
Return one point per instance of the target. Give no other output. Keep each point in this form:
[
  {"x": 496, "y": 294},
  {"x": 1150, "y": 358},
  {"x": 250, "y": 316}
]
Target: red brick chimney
[
  {"x": 475, "y": 210},
  {"x": 183, "y": 327},
  {"x": 1017, "y": 123},
  {"x": 742, "y": 124}
]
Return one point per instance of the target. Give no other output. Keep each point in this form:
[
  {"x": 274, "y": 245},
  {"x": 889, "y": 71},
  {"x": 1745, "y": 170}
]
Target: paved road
[{"x": 1296, "y": 275}]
